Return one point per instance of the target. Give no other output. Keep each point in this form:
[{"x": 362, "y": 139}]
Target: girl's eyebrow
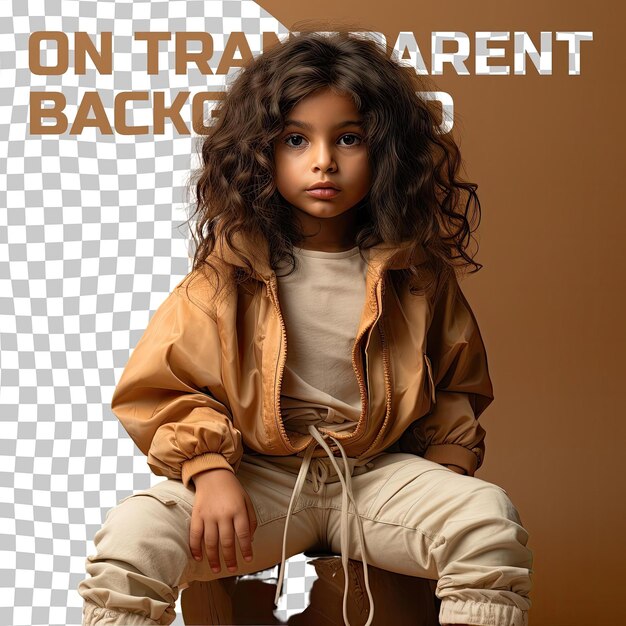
[{"x": 310, "y": 127}]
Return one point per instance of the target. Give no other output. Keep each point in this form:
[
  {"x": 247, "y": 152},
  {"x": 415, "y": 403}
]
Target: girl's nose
[{"x": 322, "y": 157}]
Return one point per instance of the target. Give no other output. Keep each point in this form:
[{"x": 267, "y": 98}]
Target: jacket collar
[{"x": 381, "y": 257}]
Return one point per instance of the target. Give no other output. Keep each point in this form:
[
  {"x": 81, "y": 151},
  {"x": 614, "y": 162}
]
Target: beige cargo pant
[{"x": 418, "y": 518}]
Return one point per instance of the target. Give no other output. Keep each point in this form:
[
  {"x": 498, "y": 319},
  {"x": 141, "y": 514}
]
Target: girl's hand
[{"x": 222, "y": 509}]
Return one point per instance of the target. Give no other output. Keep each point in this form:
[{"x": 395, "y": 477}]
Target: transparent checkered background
[{"x": 91, "y": 242}]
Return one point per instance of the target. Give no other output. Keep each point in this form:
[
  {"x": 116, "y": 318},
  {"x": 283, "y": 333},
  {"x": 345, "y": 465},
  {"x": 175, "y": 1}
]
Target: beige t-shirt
[{"x": 321, "y": 303}]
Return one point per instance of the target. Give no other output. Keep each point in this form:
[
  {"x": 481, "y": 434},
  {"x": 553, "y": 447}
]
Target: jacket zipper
[
  {"x": 386, "y": 370},
  {"x": 280, "y": 366}
]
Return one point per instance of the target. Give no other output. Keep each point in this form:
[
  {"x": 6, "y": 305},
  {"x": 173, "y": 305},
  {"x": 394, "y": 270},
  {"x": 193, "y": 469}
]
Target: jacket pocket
[{"x": 429, "y": 378}]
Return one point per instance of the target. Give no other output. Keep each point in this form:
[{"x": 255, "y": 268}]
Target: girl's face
[{"x": 322, "y": 142}]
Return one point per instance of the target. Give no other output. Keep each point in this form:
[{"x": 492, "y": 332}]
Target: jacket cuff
[
  {"x": 454, "y": 454},
  {"x": 202, "y": 462}
]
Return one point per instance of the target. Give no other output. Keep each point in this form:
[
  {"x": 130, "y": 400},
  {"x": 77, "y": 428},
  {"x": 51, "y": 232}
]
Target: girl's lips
[{"x": 323, "y": 192}]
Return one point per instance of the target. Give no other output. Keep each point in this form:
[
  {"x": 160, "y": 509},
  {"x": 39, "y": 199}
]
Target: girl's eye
[
  {"x": 300, "y": 138},
  {"x": 358, "y": 139},
  {"x": 297, "y": 137}
]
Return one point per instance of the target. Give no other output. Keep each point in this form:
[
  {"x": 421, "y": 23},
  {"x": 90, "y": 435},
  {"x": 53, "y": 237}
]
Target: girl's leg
[
  {"x": 421, "y": 519},
  {"x": 143, "y": 556}
]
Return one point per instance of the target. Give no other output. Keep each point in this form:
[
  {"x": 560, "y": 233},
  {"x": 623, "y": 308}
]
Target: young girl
[{"x": 315, "y": 381}]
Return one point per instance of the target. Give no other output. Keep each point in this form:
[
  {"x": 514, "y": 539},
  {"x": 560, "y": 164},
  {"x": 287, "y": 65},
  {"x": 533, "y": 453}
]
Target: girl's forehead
[{"x": 327, "y": 102}]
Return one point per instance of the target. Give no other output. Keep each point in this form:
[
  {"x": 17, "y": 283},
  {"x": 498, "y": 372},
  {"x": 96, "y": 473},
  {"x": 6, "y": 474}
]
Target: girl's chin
[{"x": 326, "y": 211}]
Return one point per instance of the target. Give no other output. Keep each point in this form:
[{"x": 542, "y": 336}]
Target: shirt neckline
[{"x": 323, "y": 254}]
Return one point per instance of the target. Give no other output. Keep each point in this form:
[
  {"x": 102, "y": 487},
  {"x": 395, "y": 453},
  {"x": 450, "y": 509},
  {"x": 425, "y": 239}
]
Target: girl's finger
[
  {"x": 251, "y": 515},
  {"x": 211, "y": 544},
  {"x": 196, "y": 532},
  {"x": 244, "y": 536},
  {"x": 227, "y": 541}
]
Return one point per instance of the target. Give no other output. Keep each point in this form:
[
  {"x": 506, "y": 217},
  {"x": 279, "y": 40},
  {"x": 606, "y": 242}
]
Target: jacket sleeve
[
  {"x": 457, "y": 367},
  {"x": 170, "y": 397}
]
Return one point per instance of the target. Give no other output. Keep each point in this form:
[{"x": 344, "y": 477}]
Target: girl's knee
[
  {"x": 149, "y": 532},
  {"x": 487, "y": 515},
  {"x": 504, "y": 505},
  {"x": 490, "y": 500}
]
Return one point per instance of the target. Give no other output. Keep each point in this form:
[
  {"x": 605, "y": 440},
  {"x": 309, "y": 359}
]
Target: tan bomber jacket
[{"x": 202, "y": 386}]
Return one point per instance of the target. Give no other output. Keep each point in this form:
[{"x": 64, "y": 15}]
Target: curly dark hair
[{"x": 415, "y": 194}]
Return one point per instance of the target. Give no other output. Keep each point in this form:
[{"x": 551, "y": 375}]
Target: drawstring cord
[{"x": 319, "y": 476}]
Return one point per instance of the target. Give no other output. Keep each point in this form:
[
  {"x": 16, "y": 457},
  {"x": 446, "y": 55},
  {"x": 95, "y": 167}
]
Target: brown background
[{"x": 547, "y": 154}]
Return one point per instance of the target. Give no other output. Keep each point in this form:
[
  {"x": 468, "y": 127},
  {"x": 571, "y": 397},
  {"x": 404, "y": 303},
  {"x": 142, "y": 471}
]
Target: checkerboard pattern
[{"x": 91, "y": 242}]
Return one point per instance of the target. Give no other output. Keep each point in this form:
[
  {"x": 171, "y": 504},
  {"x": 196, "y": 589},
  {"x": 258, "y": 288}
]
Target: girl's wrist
[{"x": 199, "y": 476}]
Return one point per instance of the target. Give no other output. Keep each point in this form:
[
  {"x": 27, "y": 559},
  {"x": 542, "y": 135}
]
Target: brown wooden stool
[{"x": 398, "y": 599}]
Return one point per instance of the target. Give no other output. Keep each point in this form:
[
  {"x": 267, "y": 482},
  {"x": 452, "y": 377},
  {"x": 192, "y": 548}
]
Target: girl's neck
[{"x": 333, "y": 234}]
